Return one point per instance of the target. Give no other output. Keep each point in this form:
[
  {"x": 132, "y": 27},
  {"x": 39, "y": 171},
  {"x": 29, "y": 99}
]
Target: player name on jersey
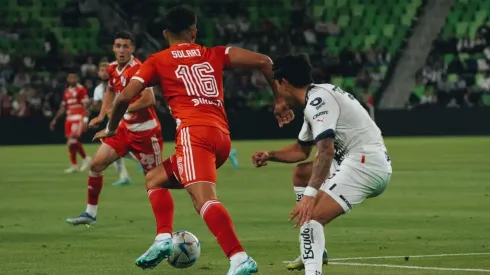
[{"x": 186, "y": 53}]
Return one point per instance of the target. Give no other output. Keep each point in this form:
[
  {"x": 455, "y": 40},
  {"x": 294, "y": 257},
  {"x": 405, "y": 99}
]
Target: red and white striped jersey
[
  {"x": 74, "y": 99},
  {"x": 142, "y": 120}
]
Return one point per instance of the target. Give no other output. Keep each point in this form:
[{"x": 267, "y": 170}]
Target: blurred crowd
[
  {"x": 456, "y": 73},
  {"x": 32, "y": 85}
]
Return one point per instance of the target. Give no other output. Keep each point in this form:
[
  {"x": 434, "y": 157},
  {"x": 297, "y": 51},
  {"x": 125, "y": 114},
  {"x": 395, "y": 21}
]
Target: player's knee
[
  {"x": 97, "y": 166},
  {"x": 301, "y": 175}
]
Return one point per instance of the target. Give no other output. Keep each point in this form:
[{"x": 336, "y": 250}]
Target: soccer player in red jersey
[
  {"x": 192, "y": 83},
  {"x": 74, "y": 104},
  {"x": 139, "y": 132}
]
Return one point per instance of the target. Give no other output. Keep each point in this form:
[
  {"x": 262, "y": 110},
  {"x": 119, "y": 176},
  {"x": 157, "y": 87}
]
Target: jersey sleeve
[
  {"x": 305, "y": 138},
  {"x": 222, "y": 52},
  {"x": 147, "y": 73},
  {"x": 99, "y": 93},
  {"x": 322, "y": 112},
  {"x": 82, "y": 94}
]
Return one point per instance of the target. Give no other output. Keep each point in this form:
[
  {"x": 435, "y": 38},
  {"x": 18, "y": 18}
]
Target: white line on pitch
[
  {"x": 411, "y": 267},
  {"x": 409, "y": 256}
]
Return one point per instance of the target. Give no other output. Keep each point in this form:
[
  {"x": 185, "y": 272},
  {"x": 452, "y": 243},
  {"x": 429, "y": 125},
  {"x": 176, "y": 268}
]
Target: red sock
[
  {"x": 80, "y": 150},
  {"x": 94, "y": 187},
  {"x": 162, "y": 204},
  {"x": 220, "y": 224},
  {"x": 72, "y": 149}
]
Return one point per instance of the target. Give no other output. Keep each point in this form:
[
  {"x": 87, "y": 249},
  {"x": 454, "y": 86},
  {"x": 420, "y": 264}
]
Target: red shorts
[
  {"x": 74, "y": 128},
  {"x": 199, "y": 151},
  {"x": 147, "y": 145}
]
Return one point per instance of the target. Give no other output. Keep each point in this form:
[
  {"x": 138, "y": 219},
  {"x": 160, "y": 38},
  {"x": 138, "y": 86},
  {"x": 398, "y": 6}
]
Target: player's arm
[
  {"x": 121, "y": 104},
  {"x": 146, "y": 100},
  {"x": 61, "y": 112},
  {"x": 107, "y": 100},
  {"x": 292, "y": 153},
  {"x": 241, "y": 58},
  {"x": 323, "y": 122}
]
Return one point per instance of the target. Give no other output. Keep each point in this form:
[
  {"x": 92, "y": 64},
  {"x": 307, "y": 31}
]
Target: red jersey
[
  {"x": 74, "y": 99},
  {"x": 142, "y": 120},
  {"x": 191, "y": 77}
]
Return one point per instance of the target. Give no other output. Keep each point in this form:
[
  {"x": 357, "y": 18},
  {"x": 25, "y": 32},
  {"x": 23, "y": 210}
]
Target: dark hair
[
  {"x": 296, "y": 69},
  {"x": 179, "y": 19},
  {"x": 124, "y": 35}
]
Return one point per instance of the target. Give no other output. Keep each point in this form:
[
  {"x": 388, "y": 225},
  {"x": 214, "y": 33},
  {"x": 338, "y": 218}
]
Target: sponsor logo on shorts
[
  {"x": 308, "y": 240},
  {"x": 198, "y": 101}
]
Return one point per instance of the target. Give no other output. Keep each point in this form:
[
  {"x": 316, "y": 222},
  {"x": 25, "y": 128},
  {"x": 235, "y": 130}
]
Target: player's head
[
  {"x": 180, "y": 24},
  {"x": 123, "y": 46},
  {"x": 292, "y": 74},
  {"x": 103, "y": 73},
  {"x": 72, "y": 79}
]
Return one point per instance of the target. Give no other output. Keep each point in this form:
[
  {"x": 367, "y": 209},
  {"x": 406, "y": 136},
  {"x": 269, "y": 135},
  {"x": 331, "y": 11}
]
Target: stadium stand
[
  {"x": 456, "y": 71},
  {"x": 351, "y": 42}
]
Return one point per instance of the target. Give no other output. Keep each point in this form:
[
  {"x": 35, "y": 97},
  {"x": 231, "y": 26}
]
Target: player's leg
[
  {"x": 312, "y": 236},
  {"x": 350, "y": 185},
  {"x": 198, "y": 173},
  {"x": 133, "y": 157},
  {"x": 72, "y": 152},
  {"x": 149, "y": 149},
  {"x": 301, "y": 177},
  {"x": 77, "y": 129},
  {"x": 110, "y": 150},
  {"x": 122, "y": 171}
]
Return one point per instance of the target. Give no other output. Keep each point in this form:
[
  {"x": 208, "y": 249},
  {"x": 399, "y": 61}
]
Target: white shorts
[{"x": 354, "y": 181}]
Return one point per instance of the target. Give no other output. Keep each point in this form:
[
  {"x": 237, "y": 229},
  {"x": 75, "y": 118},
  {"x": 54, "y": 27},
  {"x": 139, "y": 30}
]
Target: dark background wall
[{"x": 262, "y": 125}]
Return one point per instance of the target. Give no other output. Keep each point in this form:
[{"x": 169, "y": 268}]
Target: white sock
[
  {"x": 238, "y": 258},
  {"x": 91, "y": 210},
  {"x": 312, "y": 245},
  {"x": 299, "y": 192},
  {"x": 163, "y": 236},
  {"x": 121, "y": 168}
]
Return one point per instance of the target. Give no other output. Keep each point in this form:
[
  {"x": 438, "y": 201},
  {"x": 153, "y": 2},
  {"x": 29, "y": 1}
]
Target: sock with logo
[
  {"x": 95, "y": 181},
  {"x": 299, "y": 192},
  {"x": 219, "y": 223},
  {"x": 312, "y": 243}
]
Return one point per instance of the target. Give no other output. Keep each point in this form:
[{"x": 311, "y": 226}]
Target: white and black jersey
[
  {"x": 99, "y": 92},
  {"x": 331, "y": 112}
]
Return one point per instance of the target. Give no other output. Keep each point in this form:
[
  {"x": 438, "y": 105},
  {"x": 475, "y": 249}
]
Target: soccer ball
[{"x": 187, "y": 249}]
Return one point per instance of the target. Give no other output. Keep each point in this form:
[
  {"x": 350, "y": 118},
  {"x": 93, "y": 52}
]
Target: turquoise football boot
[
  {"x": 233, "y": 158},
  {"x": 248, "y": 267},
  {"x": 120, "y": 182},
  {"x": 84, "y": 218},
  {"x": 158, "y": 251}
]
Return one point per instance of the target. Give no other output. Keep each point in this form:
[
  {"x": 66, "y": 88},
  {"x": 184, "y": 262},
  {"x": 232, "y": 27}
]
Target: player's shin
[
  {"x": 72, "y": 150},
  {"x": 217, "y": 219},
  {"x": 95, "y": 181},
  {"x": 162, "y": 205},
  {"x": 312, "y": 243}
]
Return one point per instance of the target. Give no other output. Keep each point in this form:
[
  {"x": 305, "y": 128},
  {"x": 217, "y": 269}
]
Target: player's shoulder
[
  {"x": 134, "y": 62},
  {"x": 111, "y": 68}
]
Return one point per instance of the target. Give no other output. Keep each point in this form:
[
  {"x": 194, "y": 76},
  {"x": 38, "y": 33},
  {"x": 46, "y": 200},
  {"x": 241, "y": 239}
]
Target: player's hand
[
  {"x": 95, "y": 122},
  {"x": 303, "y": 210},
  {"x": 283, "y": 113},
  {"x": 260, "y": 159},
  {"x": 52, "y": 125},
  {"x": 103, "y": 134}
]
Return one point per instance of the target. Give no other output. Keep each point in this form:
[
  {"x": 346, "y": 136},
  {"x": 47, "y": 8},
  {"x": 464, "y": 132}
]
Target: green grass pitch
[{"x": 438, "y": 202}]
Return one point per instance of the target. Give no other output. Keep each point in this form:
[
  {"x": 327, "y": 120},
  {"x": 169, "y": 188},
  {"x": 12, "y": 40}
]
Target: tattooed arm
[{"x": 322, "y": 162}]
